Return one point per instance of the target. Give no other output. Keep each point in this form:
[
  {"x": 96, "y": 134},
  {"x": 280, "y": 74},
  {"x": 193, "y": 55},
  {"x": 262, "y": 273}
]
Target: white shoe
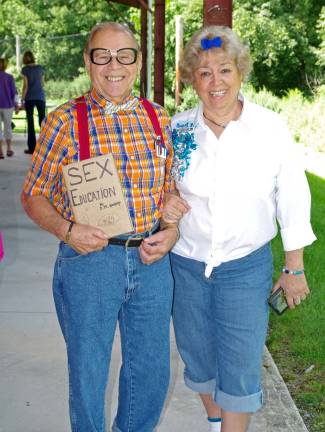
[{"x": 215, "y": 426}]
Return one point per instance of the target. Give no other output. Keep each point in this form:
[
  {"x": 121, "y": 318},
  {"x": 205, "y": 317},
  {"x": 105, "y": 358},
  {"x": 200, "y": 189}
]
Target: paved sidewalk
[{"x": 33, "y": 377}]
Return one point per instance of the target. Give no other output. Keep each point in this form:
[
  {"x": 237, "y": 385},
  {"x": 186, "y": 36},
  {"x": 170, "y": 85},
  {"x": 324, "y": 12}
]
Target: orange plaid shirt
[{"x": 128, "y": 135}]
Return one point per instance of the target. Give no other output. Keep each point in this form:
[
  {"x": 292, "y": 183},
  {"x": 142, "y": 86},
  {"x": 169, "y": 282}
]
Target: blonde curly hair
[{"x": 231, "y": 45}]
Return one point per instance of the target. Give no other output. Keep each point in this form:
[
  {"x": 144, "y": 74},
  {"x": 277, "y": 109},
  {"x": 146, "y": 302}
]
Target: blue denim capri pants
[{"x": 220, "y": 326}]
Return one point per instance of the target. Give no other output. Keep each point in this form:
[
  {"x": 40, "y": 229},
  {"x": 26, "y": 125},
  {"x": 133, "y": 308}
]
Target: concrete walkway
[{"x": 33, "y": 376}]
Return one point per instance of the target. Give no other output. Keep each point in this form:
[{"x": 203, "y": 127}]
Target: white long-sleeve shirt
[{"x": 239, "y": 185}]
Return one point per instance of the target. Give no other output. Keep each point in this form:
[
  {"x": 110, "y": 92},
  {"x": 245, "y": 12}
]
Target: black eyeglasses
[{"x": 125, "y": 56}]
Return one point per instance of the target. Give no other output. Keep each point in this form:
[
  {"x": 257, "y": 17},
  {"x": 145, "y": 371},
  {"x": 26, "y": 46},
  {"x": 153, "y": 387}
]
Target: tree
[
  {"x": 55, "y": 30},
  {"x": 283, "y": 41}
]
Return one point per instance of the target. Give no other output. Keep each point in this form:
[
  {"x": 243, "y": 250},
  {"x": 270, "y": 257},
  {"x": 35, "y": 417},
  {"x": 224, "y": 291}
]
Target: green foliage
[
  {"x": 192, "y": 17},
  {"x": 189, "y": 100},
  {"x": 320, "y": 51},
  {"x": 55, "y": 30},
  {"x": 64, "y": 90},
  {"x": 284, "y": 42},
  {"x": 287, "y": 39}
]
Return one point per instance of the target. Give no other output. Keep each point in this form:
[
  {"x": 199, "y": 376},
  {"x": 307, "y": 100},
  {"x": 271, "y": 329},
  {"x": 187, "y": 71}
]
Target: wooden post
[
  {"x": 178, "y": 57},
  {"x": 217, "y": 12},
  {"x": 159, "y": 64}
]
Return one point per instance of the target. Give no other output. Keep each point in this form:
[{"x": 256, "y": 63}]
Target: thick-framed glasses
[{"x": 125, "y": 56}]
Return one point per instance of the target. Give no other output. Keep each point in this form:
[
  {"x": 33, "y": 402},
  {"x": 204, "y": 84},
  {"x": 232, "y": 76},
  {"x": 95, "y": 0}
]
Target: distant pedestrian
[
  {"x": 8, "y": 102},
  {"x": 33, "y": 95}
]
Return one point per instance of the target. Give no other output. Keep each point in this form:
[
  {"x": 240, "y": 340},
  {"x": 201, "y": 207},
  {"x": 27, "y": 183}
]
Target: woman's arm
[{"x": 294, "y": 286}]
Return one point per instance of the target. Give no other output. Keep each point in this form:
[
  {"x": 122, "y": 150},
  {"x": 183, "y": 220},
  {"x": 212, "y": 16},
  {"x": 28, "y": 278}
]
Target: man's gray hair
[{"x": 110, "y": 25}]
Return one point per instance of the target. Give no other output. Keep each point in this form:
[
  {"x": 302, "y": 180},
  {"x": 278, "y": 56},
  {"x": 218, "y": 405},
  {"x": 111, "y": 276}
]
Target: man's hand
[
  {"x": 156, "y": 246},
  {"x": 174, "y": 208},
  {"x": 85, "y": 239}
]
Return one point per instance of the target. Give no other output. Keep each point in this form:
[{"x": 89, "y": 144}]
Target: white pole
[
  {"x": 149, "y": 51},
  {"x": 178, "y": 56},
  {"x": 18, "y": 53}
]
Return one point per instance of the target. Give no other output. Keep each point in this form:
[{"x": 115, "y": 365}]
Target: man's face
[{"x": 114, "y": 81}]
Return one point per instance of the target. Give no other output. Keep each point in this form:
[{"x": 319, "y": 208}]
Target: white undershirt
[{"x": 238, "y": 185}]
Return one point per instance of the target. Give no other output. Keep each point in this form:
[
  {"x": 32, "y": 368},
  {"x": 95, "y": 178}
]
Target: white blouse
[{"x": 239, "y": 185}]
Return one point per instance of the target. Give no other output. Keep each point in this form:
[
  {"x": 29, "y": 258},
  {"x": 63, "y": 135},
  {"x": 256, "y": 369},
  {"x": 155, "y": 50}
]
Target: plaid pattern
[{"x": 128, "y": 135}]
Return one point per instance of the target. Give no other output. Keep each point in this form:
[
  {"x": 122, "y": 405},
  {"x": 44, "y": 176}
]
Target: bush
[{"x": 64, "y": 90}]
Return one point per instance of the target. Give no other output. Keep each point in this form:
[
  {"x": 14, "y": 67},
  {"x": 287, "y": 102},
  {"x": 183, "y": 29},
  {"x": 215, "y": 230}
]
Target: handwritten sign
[{"x": 96, "y": 195}]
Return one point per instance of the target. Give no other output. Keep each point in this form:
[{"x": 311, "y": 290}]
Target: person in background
[
  {"x": 237, "y": 174},
  {"x": 33, "y": 95},
  {"x": 8, "y": 103},
  {"x": 99, "y": 281}
]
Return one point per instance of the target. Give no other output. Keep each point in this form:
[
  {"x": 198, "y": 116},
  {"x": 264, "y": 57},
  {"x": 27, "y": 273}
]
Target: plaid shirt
[{"x": 128, "y": 135}]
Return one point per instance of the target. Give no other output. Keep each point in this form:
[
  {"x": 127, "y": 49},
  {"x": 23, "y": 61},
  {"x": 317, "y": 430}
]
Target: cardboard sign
[{"x": 96, "y": 195}]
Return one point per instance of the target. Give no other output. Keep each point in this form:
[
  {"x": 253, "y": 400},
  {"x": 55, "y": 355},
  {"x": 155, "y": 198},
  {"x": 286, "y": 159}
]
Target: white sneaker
[{"x": 215, "y": 426}]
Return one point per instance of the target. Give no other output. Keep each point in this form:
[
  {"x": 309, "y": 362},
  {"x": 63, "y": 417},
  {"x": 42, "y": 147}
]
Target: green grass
[{"x": 297, "y": 338}]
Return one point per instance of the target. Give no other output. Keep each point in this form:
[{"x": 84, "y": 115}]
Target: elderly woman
[{"x": 237, "y": 174}]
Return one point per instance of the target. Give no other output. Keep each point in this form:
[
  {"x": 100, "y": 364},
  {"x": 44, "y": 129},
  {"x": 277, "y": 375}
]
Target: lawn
[{"x": 297, "y": 338}]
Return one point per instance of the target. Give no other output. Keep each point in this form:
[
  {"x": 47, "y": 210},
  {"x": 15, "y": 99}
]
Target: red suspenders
[{"x": 82, "y": 119}]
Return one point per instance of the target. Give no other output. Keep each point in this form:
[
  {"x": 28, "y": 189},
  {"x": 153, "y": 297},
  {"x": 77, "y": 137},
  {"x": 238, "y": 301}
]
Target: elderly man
[{"x": 99, "y": 281}]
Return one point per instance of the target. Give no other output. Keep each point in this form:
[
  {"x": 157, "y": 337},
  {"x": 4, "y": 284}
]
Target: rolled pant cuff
[
  {"x": 206, "y": 387},
  {"x": 245, "y": 404}
]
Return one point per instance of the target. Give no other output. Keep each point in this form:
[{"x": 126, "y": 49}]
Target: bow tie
[{"x": 112, "y": 108}]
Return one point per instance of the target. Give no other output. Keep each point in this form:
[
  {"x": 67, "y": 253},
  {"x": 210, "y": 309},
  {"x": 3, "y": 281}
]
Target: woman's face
[{"x": 217, "y": 80}]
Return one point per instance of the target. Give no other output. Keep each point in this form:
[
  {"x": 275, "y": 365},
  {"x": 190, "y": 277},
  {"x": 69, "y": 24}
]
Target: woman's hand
[
  {"x": 156, "y": 246},
  {"x": 295, "y": 288},
  {"x": 174, "y": 208}
]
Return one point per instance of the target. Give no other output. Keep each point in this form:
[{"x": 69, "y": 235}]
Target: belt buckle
[{"x": 132, "y": 238}]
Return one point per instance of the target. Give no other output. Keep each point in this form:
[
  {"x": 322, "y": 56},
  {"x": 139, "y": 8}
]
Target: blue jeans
[
  {"x": 29, "y": 107},
  {"x": 220, "y": 326},
  {"x": 92, "y": 292}
]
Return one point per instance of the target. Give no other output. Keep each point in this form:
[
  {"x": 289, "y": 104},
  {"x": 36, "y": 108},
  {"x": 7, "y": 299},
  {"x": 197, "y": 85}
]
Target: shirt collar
[
  {"x": 130, "y": 102},
  {"x": 199, "y": 114}
]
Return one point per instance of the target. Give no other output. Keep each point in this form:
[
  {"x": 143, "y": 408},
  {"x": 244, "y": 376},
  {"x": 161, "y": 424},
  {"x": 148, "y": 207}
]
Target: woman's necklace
[{"x": 217, "y": 124}]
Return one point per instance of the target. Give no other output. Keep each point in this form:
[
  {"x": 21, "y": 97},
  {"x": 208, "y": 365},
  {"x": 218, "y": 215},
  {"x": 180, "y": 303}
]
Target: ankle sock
[{"x": 215, "y": 424}]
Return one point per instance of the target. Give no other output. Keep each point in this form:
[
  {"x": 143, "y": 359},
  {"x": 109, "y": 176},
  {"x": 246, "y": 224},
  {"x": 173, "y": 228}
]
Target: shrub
[{"x": 65, "y": 90}]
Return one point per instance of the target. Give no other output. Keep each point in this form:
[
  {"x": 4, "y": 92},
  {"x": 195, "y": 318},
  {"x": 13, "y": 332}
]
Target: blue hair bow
[{"x": 211, "y": 43}]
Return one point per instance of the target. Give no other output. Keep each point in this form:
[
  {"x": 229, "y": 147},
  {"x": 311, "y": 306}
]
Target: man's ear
[{"x": 87, "y": 61}]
